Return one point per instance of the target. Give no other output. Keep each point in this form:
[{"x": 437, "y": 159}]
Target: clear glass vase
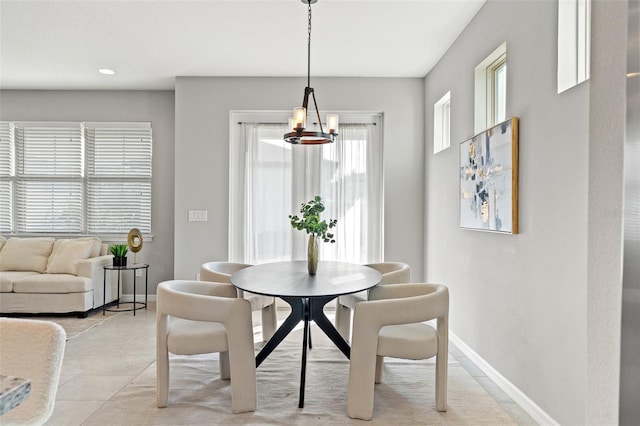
[{"x": 312, "y": 255}]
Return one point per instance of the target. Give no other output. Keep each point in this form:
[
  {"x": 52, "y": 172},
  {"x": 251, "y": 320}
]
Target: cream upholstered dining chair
[
  {"x": 194, "y": 317},
  {"x": 392, "y": 273},
  {"x": 32, "y": 349},
  {"x": 221, "y": 272},
  {"x": 391, "y": 324}
]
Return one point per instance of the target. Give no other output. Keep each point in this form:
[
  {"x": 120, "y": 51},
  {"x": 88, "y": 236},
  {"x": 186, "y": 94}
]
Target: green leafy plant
[
  {"x": 311, "y": 222},
  {"x": 119, "y": 250}
]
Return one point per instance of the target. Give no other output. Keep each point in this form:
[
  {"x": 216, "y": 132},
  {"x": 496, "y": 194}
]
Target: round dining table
[{"x": 307, "y": 295}]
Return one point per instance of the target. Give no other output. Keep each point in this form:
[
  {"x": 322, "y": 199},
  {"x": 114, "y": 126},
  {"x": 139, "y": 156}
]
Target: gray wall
[
  {"x": 630, "y": 347},
  {"x": 607, "y": 110},
  {"x": 521, "y": 301},
  {"x": 202, "y": 155},
  {"x": 538, "y": 306},
  {"x": 154, "y": 106}
]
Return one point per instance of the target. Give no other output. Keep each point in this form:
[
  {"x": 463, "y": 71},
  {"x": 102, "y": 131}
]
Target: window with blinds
[
  {"x": 48, "y": 184},
  {"x": 118, "y": 178},
  {"x": 6, "y": 176},
  {"x": 75, "y": 178}
]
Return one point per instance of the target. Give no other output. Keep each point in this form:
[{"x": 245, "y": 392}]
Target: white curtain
[
  {"x": 268, "y": 172},
  {"x": 352, "y": 187},
  {"x": 274, "y": 178}
]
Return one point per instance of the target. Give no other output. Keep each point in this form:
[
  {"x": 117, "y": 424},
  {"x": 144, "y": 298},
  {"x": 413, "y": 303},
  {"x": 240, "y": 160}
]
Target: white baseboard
[{"x": 531, "y": 408}]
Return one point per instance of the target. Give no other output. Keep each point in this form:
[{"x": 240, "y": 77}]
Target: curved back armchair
[
  {"x": 194, "y": 317},
  {"x": 33, "y": 350},
  {"x": 220, "y": 272},
  {"x": 392, "y": 273},
  {"x": 392, "y": 324}
]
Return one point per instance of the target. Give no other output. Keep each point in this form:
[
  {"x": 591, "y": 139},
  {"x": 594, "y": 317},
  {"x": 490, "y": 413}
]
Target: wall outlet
[
  {"x": 197, "y": 215},
  {"x": 138, "y": 272}
]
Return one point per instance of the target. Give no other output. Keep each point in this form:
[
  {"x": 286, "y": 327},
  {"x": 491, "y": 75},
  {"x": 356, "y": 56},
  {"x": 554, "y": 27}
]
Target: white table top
[{"x": 292, "y": 279}]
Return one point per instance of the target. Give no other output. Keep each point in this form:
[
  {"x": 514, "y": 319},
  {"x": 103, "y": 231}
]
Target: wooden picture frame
[{"x": 489, "y": 179}]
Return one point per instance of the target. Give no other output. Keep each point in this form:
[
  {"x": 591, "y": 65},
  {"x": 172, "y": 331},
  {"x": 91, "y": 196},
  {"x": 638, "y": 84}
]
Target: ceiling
[{"x": 61, "y": 44}]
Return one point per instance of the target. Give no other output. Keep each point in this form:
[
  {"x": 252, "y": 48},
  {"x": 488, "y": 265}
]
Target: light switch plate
[{"x": 197, "y": 215}]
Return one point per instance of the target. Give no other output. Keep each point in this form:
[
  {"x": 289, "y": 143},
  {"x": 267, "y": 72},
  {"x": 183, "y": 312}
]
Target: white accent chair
[
  {"x": 194, "y": 317},
  {"x": 392, "y": 273},
  {"x": 220, "y": 272},
  {"x": 33, "y": 350},
  {"x": 392, "y": 324}
]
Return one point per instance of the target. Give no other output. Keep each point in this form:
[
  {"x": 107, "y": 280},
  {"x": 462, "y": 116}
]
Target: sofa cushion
[
  {"x": 52, "y": 283},
  {"x": 96, "y": 247},
  {"x": 7, "y": 278},
  {"x": 26, "y": 254},
  {"x": 66, "y": 254}
]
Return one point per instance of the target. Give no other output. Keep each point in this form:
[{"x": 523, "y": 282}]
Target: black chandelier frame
[{"x": 300, "y": 135}]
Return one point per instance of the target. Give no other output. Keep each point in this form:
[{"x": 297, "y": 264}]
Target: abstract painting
[{"x": 489, "y": 179}]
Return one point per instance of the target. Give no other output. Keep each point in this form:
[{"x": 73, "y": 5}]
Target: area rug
[{"x": 197, "y": 396}]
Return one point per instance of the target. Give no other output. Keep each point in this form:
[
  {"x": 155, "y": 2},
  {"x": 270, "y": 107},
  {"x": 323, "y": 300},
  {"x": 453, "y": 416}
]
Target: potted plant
[
  {"x": 315, "y": 227},
  {"x": 119, "y": 252}
]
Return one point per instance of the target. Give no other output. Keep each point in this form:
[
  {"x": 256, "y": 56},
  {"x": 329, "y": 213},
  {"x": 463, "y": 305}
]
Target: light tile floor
[{"x": 102, "y": 360}]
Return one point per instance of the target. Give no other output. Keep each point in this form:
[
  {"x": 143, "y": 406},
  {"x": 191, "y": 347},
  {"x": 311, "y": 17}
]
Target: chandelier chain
[
  {"x": 298, "y": 134},
  {"x": 309, "y": 46}
]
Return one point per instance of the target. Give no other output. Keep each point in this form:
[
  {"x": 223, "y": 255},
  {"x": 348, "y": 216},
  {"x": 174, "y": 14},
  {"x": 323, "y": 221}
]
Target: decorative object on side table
[
  {"x": 134, "y": 241},
  {"x": 316, "y": 228},
  {"x": 119, "y": 252}
]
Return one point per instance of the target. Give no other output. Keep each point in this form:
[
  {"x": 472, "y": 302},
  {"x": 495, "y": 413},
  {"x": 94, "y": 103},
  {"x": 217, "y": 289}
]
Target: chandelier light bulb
[
  {"x": 299, "y": 118},
  {"x": 332, "y": 123}
]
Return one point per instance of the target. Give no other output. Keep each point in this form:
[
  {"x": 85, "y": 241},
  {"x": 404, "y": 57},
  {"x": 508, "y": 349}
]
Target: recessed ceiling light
[{"x": 106, "y": 71}]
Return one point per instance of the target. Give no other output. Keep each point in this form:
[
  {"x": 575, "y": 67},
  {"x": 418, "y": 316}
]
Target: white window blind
[
  {"x": 49, "y": 172},
  {"x": 119, "y": 169},
  {"x": 6, "y": 176},
  {"x": 75, "y": 178}
]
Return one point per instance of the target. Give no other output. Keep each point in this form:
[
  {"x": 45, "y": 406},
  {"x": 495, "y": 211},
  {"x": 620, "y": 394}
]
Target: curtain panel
[{"x": 270, "y": 179}]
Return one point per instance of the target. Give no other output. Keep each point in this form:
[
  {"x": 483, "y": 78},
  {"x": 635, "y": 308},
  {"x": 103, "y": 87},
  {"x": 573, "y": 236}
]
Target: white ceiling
[{"x": 60, "y": 44}]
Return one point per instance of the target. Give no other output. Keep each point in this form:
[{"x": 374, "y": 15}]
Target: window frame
[
  {"x": 485, "y": 101},
  {"x": 574, "y": 43},
  {"x": 493, "y": 94},
  {"x": 303, "y": 159},
  {"x": 442, "y": 123}
]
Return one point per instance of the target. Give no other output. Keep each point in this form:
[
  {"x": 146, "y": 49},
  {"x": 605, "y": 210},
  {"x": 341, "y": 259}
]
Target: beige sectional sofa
[{"x": 44, "y": 275}]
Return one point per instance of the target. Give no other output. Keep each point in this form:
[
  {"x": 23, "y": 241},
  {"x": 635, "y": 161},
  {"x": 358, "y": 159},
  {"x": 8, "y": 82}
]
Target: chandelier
[{"x": 299, "y": 134}]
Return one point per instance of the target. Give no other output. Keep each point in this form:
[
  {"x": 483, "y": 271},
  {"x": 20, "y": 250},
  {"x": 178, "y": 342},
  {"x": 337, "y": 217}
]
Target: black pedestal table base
[
  {"x": 307, "y": 295},
  {"x": 305, "y": 309}
]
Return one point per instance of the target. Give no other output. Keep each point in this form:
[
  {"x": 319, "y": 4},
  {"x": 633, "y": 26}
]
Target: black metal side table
[{"x": 135, "y": 305}]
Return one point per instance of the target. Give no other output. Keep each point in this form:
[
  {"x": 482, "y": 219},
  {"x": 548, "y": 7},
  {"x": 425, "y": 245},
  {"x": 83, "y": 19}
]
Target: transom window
[
  {"x": 497, "y": 75},
  {"x": 75, "y": 178},
  {"x": 442, "y": 123},
  {"x": 574, "y": 43},
  {"x": 491, "y": 90}
]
